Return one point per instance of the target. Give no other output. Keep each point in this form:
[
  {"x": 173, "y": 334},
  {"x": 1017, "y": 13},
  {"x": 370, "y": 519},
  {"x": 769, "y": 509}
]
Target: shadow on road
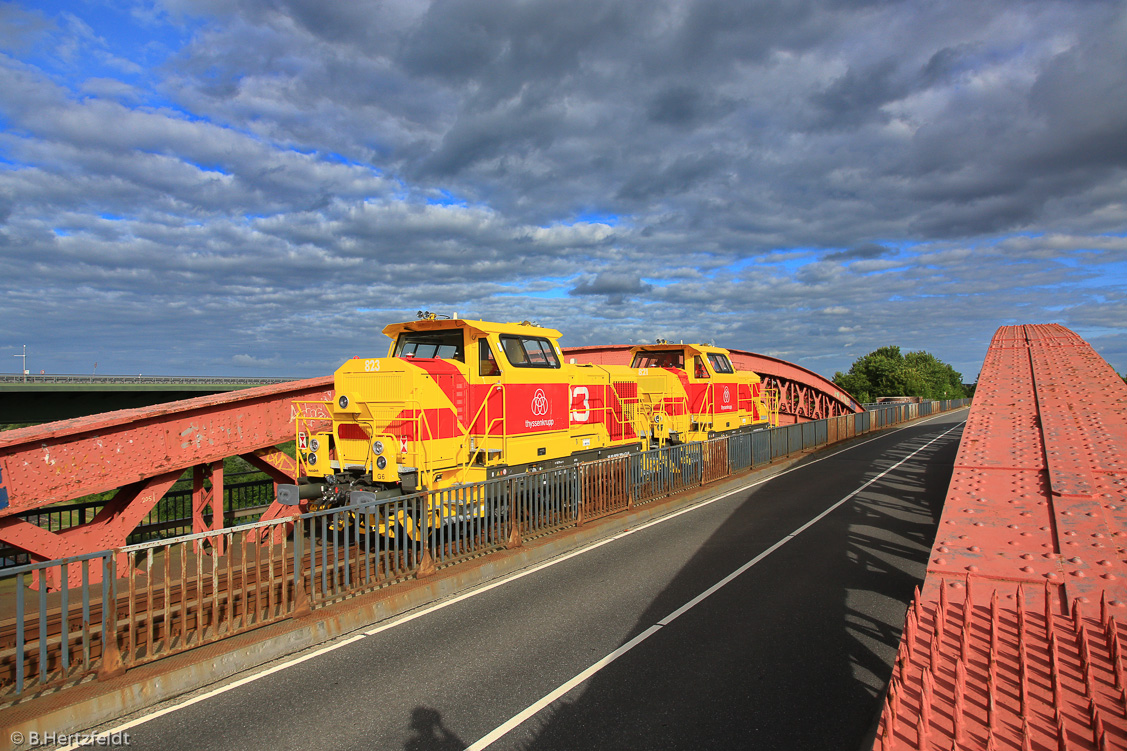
[
  {"x": 794, "y": 653},
  {"x": 429, "y": 734}
]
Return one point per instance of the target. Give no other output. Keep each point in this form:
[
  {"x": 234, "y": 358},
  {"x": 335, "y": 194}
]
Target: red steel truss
[
  {"x": 141, "y": 453},
  {"x": 1017, "y": 640},
  {"x": 803, "y": 394}
]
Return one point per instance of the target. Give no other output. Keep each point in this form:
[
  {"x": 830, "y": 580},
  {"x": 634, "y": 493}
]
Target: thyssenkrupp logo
[{"x": 539, "y": 403}]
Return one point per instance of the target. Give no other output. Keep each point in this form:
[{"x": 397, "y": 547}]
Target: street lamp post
[{"x": 23, "y": 368}]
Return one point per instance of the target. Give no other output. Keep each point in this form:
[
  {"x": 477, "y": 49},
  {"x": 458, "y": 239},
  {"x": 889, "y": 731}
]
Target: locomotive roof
[
  {"x": 702, "y": 348},
  {"x": 482, "y": 327}
]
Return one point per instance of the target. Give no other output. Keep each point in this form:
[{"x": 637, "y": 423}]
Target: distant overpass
[{"x": 50, "y": 397}]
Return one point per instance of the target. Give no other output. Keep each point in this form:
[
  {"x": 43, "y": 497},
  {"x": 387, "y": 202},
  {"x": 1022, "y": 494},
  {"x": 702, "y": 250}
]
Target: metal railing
[
  {"x": 114, "y": 379},
  {"x": 184, "y": 592}
]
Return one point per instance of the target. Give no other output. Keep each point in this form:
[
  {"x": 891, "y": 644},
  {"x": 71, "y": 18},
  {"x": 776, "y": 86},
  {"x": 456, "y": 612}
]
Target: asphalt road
[{"x": 792, "y": 652}]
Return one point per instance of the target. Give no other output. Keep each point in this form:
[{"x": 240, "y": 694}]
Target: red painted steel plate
[
  {"x": 71, "y": 458},
  {"x": 1034, "y": 523}
]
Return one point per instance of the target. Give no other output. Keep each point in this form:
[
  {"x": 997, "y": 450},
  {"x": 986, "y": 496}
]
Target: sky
[{"x": 258, "y": 187}]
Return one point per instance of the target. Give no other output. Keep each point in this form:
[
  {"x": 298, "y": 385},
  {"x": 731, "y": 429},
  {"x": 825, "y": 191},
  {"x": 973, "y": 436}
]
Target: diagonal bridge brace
[
  {"x": 282, "y": 468},
  {"x": 109, "y": 529},
  {"x": 141, "y": 452}
]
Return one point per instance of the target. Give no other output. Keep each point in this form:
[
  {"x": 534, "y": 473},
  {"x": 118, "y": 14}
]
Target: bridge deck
[{"x": 732, "y": 593}]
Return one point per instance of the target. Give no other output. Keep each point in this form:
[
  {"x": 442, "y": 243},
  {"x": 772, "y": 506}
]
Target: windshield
[
  {"x": 669, "y": 358},
  {"x": 529, "y": 352},
  {"x": 444, "y": 345},
  {"x": 720, "y": 363}
]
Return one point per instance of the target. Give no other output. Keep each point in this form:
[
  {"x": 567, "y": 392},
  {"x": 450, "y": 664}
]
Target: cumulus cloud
[
  {"x": 21, "y": 27},
  {"x": 863, "y": 252},
  {"x": 264, "y": 185},
  {"x": 616, "y": 286},
  {"x": 246, "y": 361}
]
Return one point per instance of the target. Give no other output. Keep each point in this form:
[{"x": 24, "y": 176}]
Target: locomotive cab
[{"x": 694, "y": 393}]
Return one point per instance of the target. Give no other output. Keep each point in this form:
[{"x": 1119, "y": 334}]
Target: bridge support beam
[
  {"x": 107, "y": 530},
  {"x": 206, "y": 499},
  {"x": 141, "y": 453},
  {"x": 282, "y": 468}
]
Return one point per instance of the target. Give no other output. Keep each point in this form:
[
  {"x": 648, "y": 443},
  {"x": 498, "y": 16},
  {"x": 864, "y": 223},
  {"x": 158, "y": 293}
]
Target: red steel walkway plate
[{"x": 1016, "y": 640}]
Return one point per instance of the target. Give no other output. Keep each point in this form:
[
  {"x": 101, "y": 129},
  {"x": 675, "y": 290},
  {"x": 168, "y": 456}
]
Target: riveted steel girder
[
  {"x": 63, "y": 460},
  {"x": 141, "y": 451},
  {"x": 1016, "y": 639}
]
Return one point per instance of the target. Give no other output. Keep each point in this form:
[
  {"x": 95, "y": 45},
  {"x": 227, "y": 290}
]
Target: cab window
[
  {"x": 720, "y": 363},
  {"x": 486, "y": 364},
  {"x": 529, "y": 352},
  {"x": 444, "y": 345},
  {"x": 698, "y": 368},
  {"x": 663, "y": 359}
]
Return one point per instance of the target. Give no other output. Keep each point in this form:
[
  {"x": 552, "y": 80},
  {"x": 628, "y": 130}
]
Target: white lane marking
[
  {"x": 532, "y": 709},
  {"x": 209, "y": 694},
  {"x": 520, "y": 575},
  {"x": 516, "y": 720}
]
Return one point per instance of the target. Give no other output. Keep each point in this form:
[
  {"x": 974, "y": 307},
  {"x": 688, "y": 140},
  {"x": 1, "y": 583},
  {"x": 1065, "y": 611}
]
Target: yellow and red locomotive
[
  {"x": 461, "y": 401},
  {"x": 693, "y": 393}
]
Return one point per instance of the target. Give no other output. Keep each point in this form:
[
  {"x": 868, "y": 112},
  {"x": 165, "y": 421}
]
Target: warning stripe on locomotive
[{"x": 527, "y": 408}]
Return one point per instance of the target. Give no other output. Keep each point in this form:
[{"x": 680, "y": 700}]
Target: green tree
[{"x": 887, "y": 372}]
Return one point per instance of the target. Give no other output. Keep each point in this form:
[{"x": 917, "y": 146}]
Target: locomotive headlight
[
  {"x": 315, "y": 444},
  {"x": 343, "y": 402},
  {"x": 381, "y": 462},
  {"x": 378, "y": 448},
  {"x": 312, "y": 458}
]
